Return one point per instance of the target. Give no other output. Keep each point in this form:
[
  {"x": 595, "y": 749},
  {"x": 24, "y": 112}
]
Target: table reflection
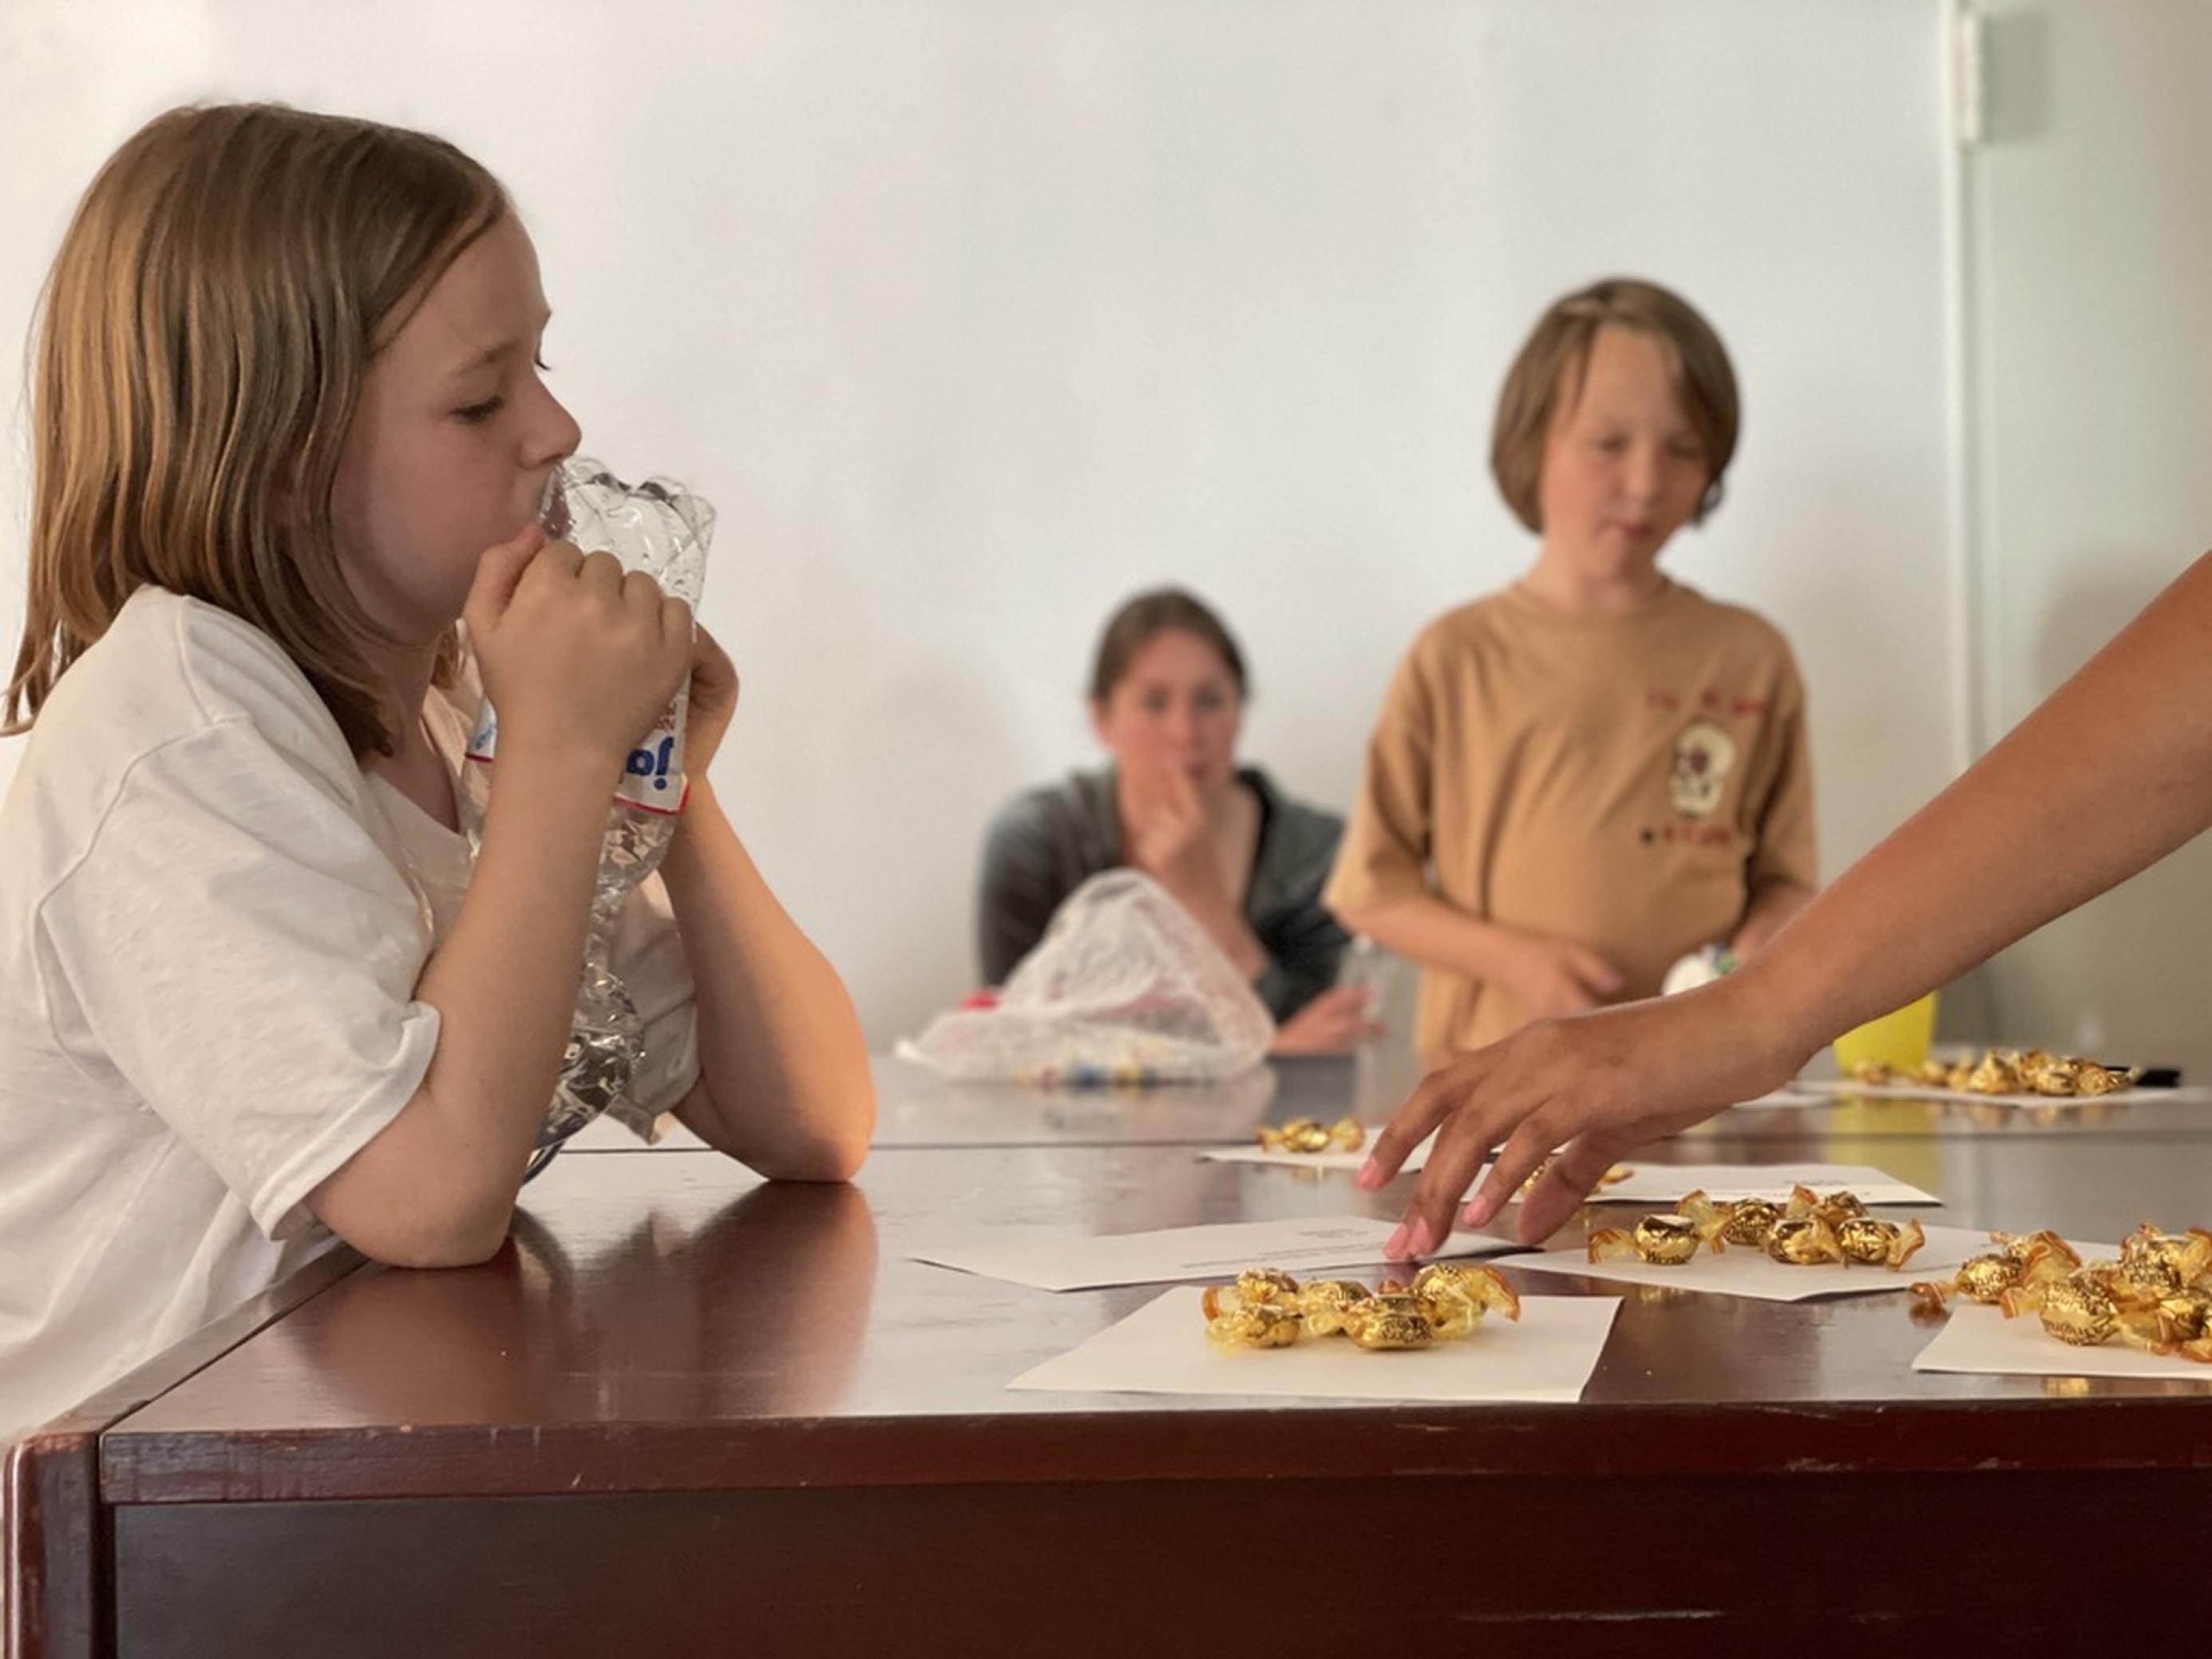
[{"x": 756, "y": 1309}]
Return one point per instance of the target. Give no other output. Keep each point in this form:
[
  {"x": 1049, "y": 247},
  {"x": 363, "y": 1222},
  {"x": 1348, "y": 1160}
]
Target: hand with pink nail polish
[{"x": 1600, "y": 1084}]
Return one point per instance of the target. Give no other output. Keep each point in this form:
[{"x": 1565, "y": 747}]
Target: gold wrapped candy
[
  {"x": 2185, "y": 1316},
  {"x": 2006, "y": 1072},
  {"x": 1873, "y": 1243},
  {"x": 2078, "y": 1310},
  {"x": 1256, "y": 1287},
  {"x": 1980, "y": 1278},
  {"x": 1835, "y": 1209},
  {"x": 1664, "y": 1241},
  {"x": 2165, "y": 1261},
  {"x": 1266, "y": 1308},
  {"x": 1453, "y": 1296},
  {"x": 2157, "y": 1297},
  {"x": 1327, "y": 1303},
  {"x": 1747, "y": 1221},
  {"x": 1995, "y": 1073},
  {"x": 1809, "y": 1231},
  {"x": 1750, "y": 1220},
  {"x": 1387, "y": 1321},
  {"x": 1306, "y": 1134},
  {"x": 2023, "y": 1259},
  {"x": 1804, "y": 1241},
  {"x": 1257, "y": 1325}
]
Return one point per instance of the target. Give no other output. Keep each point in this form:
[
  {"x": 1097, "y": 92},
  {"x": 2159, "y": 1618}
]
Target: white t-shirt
[{"x": 211, "y": 925}]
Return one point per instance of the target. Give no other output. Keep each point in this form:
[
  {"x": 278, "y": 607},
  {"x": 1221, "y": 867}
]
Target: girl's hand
[
  {"x": 1600, "y": 1085},
  {"x": 578, "y": 657},
  {"x": 1334, "y": 1023},
  {"x": 714, "y": 702}
]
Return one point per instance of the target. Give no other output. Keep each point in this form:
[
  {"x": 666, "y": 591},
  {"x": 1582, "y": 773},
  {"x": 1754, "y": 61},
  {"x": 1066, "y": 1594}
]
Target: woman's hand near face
[
  {"x": 1167, "y": 827},
  {"x": 1167, "y": 833}
]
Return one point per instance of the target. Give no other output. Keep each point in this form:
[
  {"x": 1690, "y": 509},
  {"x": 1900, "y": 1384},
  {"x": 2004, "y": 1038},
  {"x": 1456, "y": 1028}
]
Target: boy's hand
[
  {"x": 1552, "y": 977},
  {"x": 578, "y": 657},
  {"x": 1334, "y": 1023}
]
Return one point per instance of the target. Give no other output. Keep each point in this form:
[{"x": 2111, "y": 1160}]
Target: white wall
[
  {"x": 2092, "y": 216},
  {"x": 973, "y": 315}
]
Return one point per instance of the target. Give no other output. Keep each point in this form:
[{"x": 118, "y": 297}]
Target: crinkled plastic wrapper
[
  {"x": 660, "y": 528},
  {"x": 1125, "y": 988}
]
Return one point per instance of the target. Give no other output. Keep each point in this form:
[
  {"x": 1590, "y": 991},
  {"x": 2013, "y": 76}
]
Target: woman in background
[{"x": 1167, "y": 699}]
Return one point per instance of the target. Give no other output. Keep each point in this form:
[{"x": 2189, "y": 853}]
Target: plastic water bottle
[
  {"x": 662, "y": 529},
  {"x": 1367, "y": 966},
  {"x": 1373, "y": 970},
  {"x": 1697, "y": 968}
]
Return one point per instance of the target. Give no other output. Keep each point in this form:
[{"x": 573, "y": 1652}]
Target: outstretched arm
[{"x": 2111, "y": 773}]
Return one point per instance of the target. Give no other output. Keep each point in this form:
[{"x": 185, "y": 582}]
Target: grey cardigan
[{"x": 1045, "y": 843}]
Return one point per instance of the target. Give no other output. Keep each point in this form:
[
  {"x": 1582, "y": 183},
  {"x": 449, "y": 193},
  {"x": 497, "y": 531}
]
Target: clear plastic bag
[
  {"x": 662, "y": 529},
  {"x": 1125, "y": 988}
]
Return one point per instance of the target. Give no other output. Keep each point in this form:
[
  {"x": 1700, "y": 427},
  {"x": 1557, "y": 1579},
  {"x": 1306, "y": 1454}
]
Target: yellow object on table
[{"x": 1899, "y": 1041}]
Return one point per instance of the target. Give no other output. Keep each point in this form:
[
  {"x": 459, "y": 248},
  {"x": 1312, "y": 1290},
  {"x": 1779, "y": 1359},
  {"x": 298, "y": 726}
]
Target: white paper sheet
[
  {"x": 1331, "y": 1159},
  {"x": 1161, "y": 1349},
  {"x": 1740, "y": 1272},
  {"x": 1985, "y": 1341},
  {"x": 1297, "y": 1245},
  {"x": 1829, "y": 1089},
  {"x": 1975, "y": 1338},
  {"x": 1664, "y": 1183}
]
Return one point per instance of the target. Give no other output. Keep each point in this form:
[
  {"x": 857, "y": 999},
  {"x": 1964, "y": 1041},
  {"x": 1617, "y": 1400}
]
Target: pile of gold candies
[
  {"x": 1809, "y": 1231},
  {"x": 2006, "y": 1071},
  {"x": 1266, "y": 1308},
  {"x": 2158, "y": 1296},
  {"x": 1306, "y": 1134}
]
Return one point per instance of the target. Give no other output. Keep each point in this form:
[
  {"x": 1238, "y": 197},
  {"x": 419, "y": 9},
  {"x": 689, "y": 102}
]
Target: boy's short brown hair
[{"x": 1556, "y": 355}]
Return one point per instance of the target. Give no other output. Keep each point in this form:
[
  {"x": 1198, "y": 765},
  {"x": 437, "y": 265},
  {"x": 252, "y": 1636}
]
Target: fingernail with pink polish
[
  {"x": 1417, "y": 1242},
  {"x": 1369, "y": 1177},
  {"x": 1393, "y": 1248},
  {"x": 1478, "y": 1210}
]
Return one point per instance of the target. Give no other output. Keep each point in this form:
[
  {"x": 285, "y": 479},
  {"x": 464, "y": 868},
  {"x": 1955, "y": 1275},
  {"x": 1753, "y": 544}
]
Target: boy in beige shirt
[{"x": 1576, "y": 780}]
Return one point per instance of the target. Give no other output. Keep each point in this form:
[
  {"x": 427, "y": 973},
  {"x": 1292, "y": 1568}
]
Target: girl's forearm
[
  {"x": 437, "y": 1185},
  {"x": 785, "y": 1086}
]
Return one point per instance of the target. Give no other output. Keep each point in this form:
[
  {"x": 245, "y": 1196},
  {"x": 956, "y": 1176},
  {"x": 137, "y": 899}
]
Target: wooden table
[
  {"x": 917, "y": 1110},
  {"x": 687, "y": 1413}
]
